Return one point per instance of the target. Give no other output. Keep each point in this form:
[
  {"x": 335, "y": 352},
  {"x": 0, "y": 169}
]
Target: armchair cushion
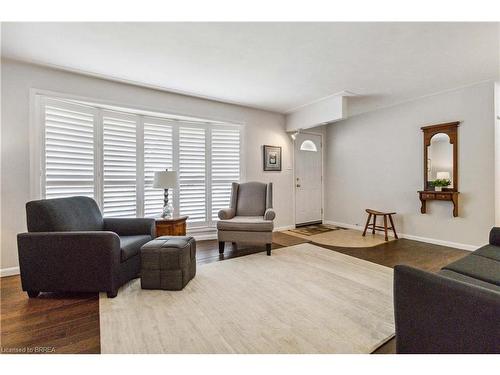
[
  {"x": 226, "y": 213},
  {"x": 251, "y": 199},
  {"x": 63, "y": 215},
  {"x": 130, "y": 226},
  {"x": 131, "y": 245},
  {"x": 478, "y": 267},
  {"x": 246, "y": 224},
  {"x": 489, "y": 251}
]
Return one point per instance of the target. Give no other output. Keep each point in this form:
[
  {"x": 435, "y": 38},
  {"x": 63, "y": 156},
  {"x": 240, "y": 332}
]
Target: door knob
[{"x": 298, "y": 185}]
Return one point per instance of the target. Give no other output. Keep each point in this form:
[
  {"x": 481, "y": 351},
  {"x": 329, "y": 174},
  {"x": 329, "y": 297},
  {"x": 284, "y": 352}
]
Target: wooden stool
[{"x": 375, "y": 227}]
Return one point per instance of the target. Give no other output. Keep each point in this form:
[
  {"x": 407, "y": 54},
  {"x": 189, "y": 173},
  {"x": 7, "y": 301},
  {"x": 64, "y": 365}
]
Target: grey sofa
[
  {"x": 70, "y": 247},
  {"x": 249, "y": 219},
  {"x": 456, "y": 310}
]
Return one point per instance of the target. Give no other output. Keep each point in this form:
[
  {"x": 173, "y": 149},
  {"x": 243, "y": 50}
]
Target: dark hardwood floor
[{"x": 69, "y": 323}]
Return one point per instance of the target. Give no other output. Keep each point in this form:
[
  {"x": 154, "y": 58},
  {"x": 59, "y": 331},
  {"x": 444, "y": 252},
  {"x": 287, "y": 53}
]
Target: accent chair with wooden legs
[{"x": 249, "y": 219}]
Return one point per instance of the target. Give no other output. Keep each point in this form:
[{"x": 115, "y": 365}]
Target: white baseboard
[
  {"x": 9, "y": 271},
  {"x": 411, "y": 237}
]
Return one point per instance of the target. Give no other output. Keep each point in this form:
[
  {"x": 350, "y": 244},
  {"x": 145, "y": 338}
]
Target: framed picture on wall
[{"x": 272, "y": 158}]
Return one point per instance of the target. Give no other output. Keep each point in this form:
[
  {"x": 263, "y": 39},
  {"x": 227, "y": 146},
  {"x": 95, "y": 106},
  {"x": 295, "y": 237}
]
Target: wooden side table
[{"x": 171, "y": 227}]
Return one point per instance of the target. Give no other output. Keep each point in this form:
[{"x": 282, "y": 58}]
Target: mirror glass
[{"x": 440, "y": 159}]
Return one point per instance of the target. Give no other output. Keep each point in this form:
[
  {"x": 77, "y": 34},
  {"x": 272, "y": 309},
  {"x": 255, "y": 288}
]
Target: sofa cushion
[
  {"x": 130, "y": 245},
  {"x": 63, "y": 215},
  {"x": 469, "y": 280},
  {"x": 246, "y": 224},
  {"x": 251, "y": 199},
  {"x": 489, "y": 251},
  {"x": 478, "y": 267}
]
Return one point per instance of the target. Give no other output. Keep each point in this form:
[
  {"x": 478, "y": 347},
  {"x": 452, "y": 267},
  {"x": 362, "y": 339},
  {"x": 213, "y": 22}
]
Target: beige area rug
[
  {"x": 343, "y": 238},
  {"x": 302, "y": 299}
]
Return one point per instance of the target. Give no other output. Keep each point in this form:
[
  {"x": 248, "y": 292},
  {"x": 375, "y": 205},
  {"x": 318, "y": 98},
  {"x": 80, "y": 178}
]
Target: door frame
[{"x": 322, "y": 136}]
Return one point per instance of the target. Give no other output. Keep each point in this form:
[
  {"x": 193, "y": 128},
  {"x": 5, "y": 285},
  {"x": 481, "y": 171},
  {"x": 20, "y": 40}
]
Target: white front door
[{"x": 308, "y": 178}]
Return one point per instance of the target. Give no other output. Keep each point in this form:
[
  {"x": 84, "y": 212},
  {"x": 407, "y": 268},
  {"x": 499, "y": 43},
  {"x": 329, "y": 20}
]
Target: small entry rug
[
  {"x": 302, "y": 299},
  {"x": 310, "y": 230}
]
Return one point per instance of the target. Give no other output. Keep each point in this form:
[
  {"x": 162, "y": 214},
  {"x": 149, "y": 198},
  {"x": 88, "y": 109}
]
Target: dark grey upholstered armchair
[
  {"x": 456, "y": 310},
  {"x": 249, "y": 219},
  {"x": 70, "y": 247}
]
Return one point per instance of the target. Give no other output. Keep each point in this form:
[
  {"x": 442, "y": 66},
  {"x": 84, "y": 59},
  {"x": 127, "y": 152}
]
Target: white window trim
[{"x": 37, "y": 149}]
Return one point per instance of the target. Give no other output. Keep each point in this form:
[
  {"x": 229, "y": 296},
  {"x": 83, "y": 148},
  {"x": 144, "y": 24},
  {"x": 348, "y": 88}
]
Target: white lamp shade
[
  {"x": 443, "y": 175},
  {"x": 165, "y": 180}
]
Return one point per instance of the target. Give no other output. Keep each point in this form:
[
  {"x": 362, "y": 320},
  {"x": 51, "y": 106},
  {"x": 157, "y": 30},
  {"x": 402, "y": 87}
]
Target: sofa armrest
[
  {"x": 130, "y": 226},
  {"x": 436, "y": 314},
  {"x": 269, "y": 214},
  {"x": 495, "y": 236},
  {"x": 227, "y": 213},
  {"x": 83, "y": 261}
]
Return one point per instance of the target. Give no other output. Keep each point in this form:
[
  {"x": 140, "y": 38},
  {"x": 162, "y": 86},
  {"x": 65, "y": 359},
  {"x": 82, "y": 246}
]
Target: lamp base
[{"x": 168, "y": 209}]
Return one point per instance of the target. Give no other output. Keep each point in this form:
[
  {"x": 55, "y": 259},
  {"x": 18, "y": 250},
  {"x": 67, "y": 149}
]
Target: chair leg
[
  {"x": 385, "y": 227},
  {"x": 33, "y": 293},
  {"x": 221, "y": 247},
  {"x": 112, "y": 293},
  {"x": 367, "y": 223},
  {"x": 268, "y": 248},
  {"x": 393, "y": 227},
  {"x": 374, "y": 223}
]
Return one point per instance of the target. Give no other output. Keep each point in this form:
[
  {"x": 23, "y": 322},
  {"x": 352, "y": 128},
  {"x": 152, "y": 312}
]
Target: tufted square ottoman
[{"x": 168, "y": 262}]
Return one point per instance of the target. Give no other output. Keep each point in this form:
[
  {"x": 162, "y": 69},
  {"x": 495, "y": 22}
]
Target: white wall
[
  {"x": 375, "y": 160},
  {"x": 17, "y": 78},
  {"x": 330, "y": 109}
]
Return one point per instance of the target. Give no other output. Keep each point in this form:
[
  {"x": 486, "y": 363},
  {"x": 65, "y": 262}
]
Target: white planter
[{"x": 438, "y": 188}]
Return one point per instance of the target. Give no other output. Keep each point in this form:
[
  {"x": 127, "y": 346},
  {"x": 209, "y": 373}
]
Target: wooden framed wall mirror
[{"x": 440, "y": 164}]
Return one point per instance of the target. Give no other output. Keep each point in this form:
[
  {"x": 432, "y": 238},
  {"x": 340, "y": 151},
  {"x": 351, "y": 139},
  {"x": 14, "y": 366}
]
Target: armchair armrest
[
  {"x": 60, "y": 261},
  {"x": 269, "y": 214},
  {"x": 227, "y": 213},
  {"x": 495, "y": 236},
  {"x": 130, "y": 226},
  {"x": 437, "y": 314}
]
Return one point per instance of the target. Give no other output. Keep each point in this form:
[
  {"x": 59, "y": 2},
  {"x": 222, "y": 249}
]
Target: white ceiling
[{"x": 275, "y": 66}]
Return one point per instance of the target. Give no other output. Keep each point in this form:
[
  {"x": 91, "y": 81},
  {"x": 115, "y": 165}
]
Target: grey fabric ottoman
[{"x": 168, "y": 262}]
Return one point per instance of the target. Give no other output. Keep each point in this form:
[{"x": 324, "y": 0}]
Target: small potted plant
[{"x": 439, "y": 184}]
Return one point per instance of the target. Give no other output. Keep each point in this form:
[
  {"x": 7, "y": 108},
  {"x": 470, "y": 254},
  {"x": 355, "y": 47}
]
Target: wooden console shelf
[{"x": 429, "y": 195}]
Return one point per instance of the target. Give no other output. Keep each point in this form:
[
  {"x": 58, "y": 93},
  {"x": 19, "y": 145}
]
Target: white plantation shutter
[
  {"x": 119, "y": 164},
  {"x": 225, "y": 158},
  {"x": 192, "y": 174},
  {"x": 111, "y": 156},
  {"x": 158, "y": 156},
  {"x": 68, "y": 168}
]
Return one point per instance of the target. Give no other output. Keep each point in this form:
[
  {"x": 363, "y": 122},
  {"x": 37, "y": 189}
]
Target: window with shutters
[
  {"x": 158, "y": 156},
  {"x": 111, "y": 155},
  {"x": 192, "y": 174},
  {"x": 68, "y": 149},
  {"x": 119, "y": 164},
  {"x": 225, "y": 160}
]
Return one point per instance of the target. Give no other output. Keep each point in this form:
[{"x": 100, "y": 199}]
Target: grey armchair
[
  {"x": 249, "y": 218},
  {"x": 70, "y": 247}
]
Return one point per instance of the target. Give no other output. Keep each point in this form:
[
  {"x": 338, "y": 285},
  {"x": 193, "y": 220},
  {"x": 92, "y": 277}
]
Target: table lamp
[{"x": 166, "y": 180}]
